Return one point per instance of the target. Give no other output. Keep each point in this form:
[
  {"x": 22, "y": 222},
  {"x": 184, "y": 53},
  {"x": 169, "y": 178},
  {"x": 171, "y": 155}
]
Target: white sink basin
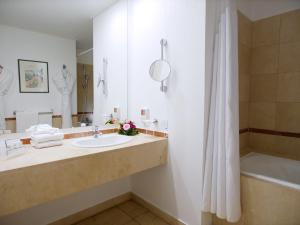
[{"x": 102, "y": 141}]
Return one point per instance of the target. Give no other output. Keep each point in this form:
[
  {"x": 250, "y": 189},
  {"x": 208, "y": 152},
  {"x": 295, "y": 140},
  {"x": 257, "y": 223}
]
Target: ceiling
[{"x": 65, "y": 18}]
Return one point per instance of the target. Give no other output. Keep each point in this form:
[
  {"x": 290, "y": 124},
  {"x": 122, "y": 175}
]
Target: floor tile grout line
[{"x": 133, "y": 217}]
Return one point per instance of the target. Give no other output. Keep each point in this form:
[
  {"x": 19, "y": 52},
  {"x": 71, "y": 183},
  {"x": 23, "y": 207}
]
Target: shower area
[
  {"x": 269, "y": 79},
  {"x": 85, "y": 94},
  {"x": 269, "y": 106}
]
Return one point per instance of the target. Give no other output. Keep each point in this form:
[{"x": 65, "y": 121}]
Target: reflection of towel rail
[
  {"x": 45, "y": 113},
  {"x": 40, "y": 113}
]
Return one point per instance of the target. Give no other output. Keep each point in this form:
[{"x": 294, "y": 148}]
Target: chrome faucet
[{"x": 97, "y": 133}]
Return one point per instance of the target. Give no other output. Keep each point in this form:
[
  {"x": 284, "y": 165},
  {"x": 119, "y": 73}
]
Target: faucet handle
[
  {"x": 96, "y": 132},
  {"x": 96, "y": 128}
]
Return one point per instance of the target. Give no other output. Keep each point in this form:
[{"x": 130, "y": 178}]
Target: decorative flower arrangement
[{"x": 128, "y": 128}]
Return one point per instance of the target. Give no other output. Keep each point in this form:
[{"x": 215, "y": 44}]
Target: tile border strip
[
  {"x": 245, "y": 130},
  {"x": 270, "y": 132},
  {"x": 54, "y": 116}
]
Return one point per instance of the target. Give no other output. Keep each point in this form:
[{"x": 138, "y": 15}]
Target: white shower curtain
[
  {"x": 6, "y": 79},
  {"x": 221, "y": 184}
]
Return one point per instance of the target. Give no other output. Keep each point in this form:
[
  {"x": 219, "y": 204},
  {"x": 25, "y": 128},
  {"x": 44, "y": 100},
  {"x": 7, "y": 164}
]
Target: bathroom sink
[{"x": 102, "y": 141}]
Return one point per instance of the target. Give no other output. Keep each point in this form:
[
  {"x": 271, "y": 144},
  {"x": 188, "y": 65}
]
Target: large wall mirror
[{"x": 52, "y": 71}]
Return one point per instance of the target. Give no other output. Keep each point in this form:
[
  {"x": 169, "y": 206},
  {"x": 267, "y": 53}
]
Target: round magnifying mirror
[{"x": 160, "y": 70}]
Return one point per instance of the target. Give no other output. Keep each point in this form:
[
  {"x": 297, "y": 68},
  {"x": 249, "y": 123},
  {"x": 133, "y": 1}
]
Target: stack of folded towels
[{"x": 44, "y": 136}]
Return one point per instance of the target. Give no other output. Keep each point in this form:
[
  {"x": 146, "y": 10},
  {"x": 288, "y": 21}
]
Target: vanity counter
[{"x": 43, "y": 175}]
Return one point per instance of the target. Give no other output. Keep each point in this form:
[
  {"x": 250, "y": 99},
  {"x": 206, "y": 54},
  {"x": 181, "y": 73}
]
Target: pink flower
[{"x": 126, "y": 127}]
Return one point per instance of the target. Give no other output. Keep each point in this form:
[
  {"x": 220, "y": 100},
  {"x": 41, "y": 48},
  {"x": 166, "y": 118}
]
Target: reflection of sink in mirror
[{"x": 102, "y": 141}]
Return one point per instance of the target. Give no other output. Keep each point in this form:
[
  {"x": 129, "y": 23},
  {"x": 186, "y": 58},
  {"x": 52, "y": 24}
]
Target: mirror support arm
[{"x": 163, "y": 43}]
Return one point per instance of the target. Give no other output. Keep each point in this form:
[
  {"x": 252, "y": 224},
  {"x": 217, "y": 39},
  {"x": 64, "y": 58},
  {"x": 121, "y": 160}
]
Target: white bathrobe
[
  {"x": 64, "y": 82},
  {"x": 6, "y": 79}
]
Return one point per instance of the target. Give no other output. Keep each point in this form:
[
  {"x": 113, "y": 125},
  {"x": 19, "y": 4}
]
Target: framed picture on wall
[{"x": 33, "y": 76}]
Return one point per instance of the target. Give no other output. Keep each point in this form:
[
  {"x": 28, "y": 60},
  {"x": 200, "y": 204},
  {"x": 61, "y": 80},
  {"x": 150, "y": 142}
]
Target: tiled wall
[
  {"x": 245, "y": 43},
  {"x": 269, "y": 74},
  {"x": 275, "y": 84},
  {"x": 83, "y": 106}
]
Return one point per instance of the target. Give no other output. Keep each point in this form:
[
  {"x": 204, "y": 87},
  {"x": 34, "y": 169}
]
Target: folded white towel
[
  {"x": 41, "y": 138},
  {"x": 12, "y": 148},
  {"x": 14, "y": 144},
  {"x": 46, "y": 144},
  {"x": 42, "y": 129}
]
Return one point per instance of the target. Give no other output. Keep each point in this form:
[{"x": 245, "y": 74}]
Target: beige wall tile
[
  {"x": 266, "y": 31},
  {"x": 57, "y": 122},
  {"x": 244, "y": 87},
  {"x": 262, "y": 143},
  {"x": 288, "y": 87},
  {"x": 244, "y": 59},
  {"x": 288, "y": 147},
  {"x": 262, "y": 115},
  {"x": 289, "y": 57},
  {"x": 245, "y": 151},
  {"x": 244, "y": 30},
  {"x": 83, "y": 106},
  {"x": 75, "y": 121},
  {"x": 244, "y": 114},
  {"x": 290, "y": 26},
  {"x": 244, "y": 138},
  {"x": 288, "y": 117},
  {"x": 11, "y": 125},
  {"x": 263, "y": 88},
  {"x": 265, "y": 59}
]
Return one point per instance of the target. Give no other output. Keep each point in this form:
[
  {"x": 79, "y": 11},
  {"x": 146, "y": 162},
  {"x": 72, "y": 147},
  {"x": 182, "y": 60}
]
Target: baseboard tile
[
  {"x": 156, "y": 211},
  {"x": 75, "y": 218}
]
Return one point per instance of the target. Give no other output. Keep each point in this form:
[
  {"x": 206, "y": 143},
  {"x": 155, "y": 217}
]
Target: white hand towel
[
  {"x": 14, "y": 144},
  {"x": 46, "y": 144},
  {"x": 41, "y": 138}
]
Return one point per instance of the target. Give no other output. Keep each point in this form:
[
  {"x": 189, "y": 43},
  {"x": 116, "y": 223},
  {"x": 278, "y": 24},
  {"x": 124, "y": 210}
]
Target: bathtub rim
[{"x": 283, "y": 183}]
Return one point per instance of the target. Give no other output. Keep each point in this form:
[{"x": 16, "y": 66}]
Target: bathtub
[
  {"x": 270, "y": 191},
  {"x": 285, "y": 172}
]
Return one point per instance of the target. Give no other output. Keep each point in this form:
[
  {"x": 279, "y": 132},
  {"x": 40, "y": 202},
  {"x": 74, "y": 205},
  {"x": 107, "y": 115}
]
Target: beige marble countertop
[
  {"x": 43, "y": 175},
  {"x": 34, "y": 157}
]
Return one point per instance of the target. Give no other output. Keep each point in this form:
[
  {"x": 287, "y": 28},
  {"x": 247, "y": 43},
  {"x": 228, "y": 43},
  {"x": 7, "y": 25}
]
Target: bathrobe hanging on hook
[
  {"x": 6, "y": 79},
  {"x": 64, "y": 82}
]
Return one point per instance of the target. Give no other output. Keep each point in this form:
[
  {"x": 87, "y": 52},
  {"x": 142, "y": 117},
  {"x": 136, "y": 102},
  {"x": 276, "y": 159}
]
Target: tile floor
[{"x": 128, "y": 213}]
